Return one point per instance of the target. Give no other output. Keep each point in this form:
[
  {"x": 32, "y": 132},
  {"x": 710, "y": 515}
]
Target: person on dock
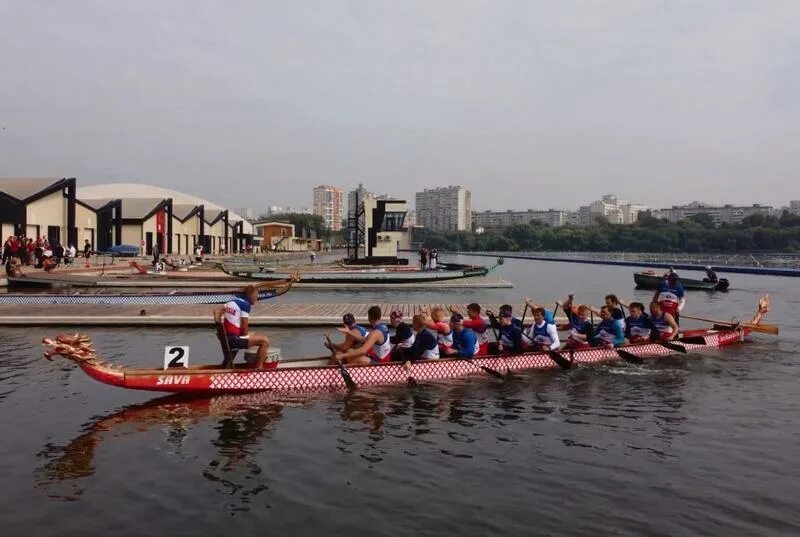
[
  {"x": 638, "y": 327},
  {"x": 312, "y": 256},
  {"x": 579, "y": 324},
  {"x": 542, "y": 335},
  {"x": 438, "y": 324},
  {"x": 403, "y": 337},
  {"x": 423, "y": 258},
  {"x": 87, "y": 251},
  {"x": 425, "y": 346},
  {"x": 609, "y": 332},
  {"x": 711, "y": 276},
  {"x": 665, "y": 327},
  {"x": 354, "y": 334},
  {"x": 477, "y": 324},
  {"x": 235, "y": 319},
  {"x": 13, "y": 267},
  {"x": 465, "y": 341},
  {"x": 670, "y": 295},
  {"x": 69, "y": 255},
  {"x": 376, "y": 346}
]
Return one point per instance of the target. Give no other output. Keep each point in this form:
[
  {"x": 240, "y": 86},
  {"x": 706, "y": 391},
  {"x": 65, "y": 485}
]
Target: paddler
[
  {"x": 438, "y": 325},
  {"x": 376, "y": 347},
  {"x": 543, "y": 335},
  {"x": 638, "y": 327},
  {"x": 235, "y": 319},
  {"x": 465, "y": 341},
  {"x": 548, "y": 314},
  {"x": 403, "y": 337},
  {"x": 609, "y": 332},
  {"x": 670, "y": 295},
  {"x": 580, "y": 324},
  {"x": 425, "y": 346},
  {"x": 354, "y": 334},
  {"x": 510, "y": 334},
  {"x": 477, "y": 324},
  {"x": 665, "y": 327}
]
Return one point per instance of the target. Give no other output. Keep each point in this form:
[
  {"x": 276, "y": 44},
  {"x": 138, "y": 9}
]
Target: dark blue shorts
[{"x": 236, "y": 342}]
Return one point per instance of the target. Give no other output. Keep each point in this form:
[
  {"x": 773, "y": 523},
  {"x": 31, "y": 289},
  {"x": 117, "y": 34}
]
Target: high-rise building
[
  {"x": 355, "y": 200},
  {"x": 444, "y": 209},
  {"x": 328, "y": 203}
]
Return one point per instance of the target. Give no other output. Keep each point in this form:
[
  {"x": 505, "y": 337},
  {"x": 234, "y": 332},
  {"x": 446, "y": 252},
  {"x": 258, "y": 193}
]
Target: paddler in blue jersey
[
  {"x": 375, "y": 348},
  {"x": 425, "y": 346},
  {"x": 465, "y": 341},
  {"x": 638, "y": 327},
  {"x": 510, "y": 334},
  {"x": 354, "y": 334},
  {"x": 609, "y": 332}
]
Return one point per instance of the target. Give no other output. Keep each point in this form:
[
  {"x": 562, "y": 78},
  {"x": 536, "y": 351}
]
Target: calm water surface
[{"x": 702, "y": 444}]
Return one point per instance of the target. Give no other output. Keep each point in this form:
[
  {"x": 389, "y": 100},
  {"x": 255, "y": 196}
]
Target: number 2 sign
[{"x": 176, "y": 357}]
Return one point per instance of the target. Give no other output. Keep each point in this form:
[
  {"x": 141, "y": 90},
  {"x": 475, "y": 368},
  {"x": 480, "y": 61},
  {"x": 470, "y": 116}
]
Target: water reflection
[{"x": 244, "y": 420}]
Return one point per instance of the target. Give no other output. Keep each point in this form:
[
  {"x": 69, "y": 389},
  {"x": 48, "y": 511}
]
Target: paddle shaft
[{"x": 764, "y": 328}]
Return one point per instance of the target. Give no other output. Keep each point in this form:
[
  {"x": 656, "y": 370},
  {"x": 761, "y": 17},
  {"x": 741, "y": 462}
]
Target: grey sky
[{"x": 529, "y": 104}]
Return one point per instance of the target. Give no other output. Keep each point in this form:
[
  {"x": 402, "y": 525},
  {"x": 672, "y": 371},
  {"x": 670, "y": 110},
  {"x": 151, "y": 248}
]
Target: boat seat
[{"x": 228, "y": 355}]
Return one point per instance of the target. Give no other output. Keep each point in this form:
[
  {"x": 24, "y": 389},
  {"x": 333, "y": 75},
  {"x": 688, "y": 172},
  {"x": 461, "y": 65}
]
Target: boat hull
[
  {"x": 209, "y": 380},
  {"x": 377, "y": 276},
  {"x": 649, "y": 280},
  {"x": 130, "y": 298}
]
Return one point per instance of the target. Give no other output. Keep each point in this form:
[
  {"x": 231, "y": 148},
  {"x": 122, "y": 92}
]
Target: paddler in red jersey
[
  {"x": 235, "y": 318},
  {"x": 665, "y": 327},
  {"x": 670, "y": 295},
  {"x": 477, "y": 324}
]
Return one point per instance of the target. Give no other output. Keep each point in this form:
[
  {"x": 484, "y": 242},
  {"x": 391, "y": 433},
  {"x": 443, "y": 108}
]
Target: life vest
[
  {"x": 445, "y": 340},
  {"x": 539, "y": 334},
  {"x": 662, "y": 327},
  {"x": 433, "y": 352},
  {"x": 384, "y": 349},
  {"x": 639, "y": 328},
  {"x": 605, "y": 332},
  {"x": 480, "y": 328},
  {"x": 669, "y": 298},
  {"x": 506, "y": 341},
  {"x": 579, "y": 328}
]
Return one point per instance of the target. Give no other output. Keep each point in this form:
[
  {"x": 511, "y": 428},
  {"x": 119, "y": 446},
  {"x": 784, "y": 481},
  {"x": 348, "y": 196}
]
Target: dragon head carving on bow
[{"x": 77, "y": 347}]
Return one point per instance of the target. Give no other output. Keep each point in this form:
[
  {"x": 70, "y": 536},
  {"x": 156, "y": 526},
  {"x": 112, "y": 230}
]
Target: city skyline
[{"x": 664, "y": 102}]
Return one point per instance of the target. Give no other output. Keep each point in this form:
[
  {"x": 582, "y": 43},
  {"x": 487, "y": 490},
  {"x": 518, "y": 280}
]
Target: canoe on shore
[
  {"x": 266, "y": 291},
  {"x": 398, "y": 275},
  {"x": 651, "y": 280},
  {"x": 317, "y": 374}
]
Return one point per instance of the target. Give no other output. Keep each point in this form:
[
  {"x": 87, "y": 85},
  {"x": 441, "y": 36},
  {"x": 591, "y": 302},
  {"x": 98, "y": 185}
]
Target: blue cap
[{"x": 457, "y": 318}]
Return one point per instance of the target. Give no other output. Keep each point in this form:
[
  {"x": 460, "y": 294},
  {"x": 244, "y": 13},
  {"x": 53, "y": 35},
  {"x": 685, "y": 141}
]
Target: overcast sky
[{"x": 528, "y": 104}]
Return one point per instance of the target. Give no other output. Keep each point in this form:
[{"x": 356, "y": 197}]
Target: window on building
[{"x": 393, "y": 221}]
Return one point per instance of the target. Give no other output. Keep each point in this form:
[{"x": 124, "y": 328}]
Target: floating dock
[
  {"x": 263, "y": 314},
  {"x": 762, "y": 271}
]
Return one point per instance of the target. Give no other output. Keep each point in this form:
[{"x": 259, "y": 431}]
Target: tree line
[{"x": 697, "y": 234}]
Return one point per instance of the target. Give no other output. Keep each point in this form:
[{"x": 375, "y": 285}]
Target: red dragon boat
[{"x": 318, "y": 374}]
